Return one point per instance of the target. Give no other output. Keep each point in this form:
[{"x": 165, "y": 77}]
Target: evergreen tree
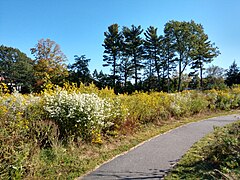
[
  {"x": 168, "y": 61},
  {"x": 133, "y": 45},
  {"x": 125, "y": 69},
  {"x": 152, "y": 54},
  {"x": 112, "y": 45},
  {"x": 233, "y": 75},
  {"x": 79, "y": 71}
]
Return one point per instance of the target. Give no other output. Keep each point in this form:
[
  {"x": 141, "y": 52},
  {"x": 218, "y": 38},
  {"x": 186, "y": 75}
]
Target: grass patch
[
  {"x": 216, "y": 156},
  {"x": 75, "y": 160},
  {"x": 63, "y": 134},
  {"x": 113, "y": 147}
]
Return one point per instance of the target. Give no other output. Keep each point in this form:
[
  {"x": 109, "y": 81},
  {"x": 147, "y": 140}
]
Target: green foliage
[
  {"x": 17, "y": 145},
  {"x": 49, "y": 63},
  {"x": 16, "y": 69},
  {"x": 233, "y": 75},
  {"x": 152, "y": 47},
  {"x": 78, "y": 115},
  {"x": 79, "y": 71},
  {"x": 34, "y": 126},
  {"x": 133, "y": 48},
  {"x": 183, "y": 43},
  {"x": 216, "y": 156},
  {"x": 112, "y": 44}
]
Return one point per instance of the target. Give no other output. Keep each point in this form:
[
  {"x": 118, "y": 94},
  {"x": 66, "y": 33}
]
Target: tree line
[
  {"x": 138, "y": 60},
  {"x": 155, "y": 58}
]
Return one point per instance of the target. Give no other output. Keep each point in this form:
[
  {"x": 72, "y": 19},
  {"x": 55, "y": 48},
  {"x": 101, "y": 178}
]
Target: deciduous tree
[
  {"x": 214, "y": 77},
  {"x": 182, "y": 36},
  {"x": 49, "y": 63},
  {"x": 16, "y": 68}
]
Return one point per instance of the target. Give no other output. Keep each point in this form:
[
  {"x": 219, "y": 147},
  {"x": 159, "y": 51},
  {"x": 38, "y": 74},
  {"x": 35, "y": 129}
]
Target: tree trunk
[
  {"x": 135, "y": 66},
  {"x": 180, "y": 74},
  {"x": 168, "y": 80},
  {"x": 201, "y": 80},
  {"x": 114, "y": 70}
]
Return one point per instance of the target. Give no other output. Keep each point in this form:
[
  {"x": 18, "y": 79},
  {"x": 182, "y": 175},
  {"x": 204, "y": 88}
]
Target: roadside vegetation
[
  {"x": 216, "y": 156},
  {"x": 63, "y": 132},
  {"x": 64, "y": 120}
]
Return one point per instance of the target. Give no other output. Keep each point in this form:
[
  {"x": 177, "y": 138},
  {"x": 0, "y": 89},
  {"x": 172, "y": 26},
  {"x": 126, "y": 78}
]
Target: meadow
[{"x": 63, "y": 132}]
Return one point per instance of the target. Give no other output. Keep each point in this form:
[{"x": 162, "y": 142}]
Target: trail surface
[{"x": 154, "y": 158}]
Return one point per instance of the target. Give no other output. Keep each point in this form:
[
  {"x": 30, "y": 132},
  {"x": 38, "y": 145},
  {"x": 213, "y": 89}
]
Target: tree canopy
[
  {"x": 138, "y": 59},
  {"x": 49, "y": 63},
  {"x": 16, "y": 69}
]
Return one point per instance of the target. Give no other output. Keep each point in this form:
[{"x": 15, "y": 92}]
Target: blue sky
[{"x": 78, "y": 25}]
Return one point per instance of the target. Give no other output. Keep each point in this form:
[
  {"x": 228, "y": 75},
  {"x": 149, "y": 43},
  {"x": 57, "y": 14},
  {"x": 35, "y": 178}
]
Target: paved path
[{"x": 154, "y": 158}]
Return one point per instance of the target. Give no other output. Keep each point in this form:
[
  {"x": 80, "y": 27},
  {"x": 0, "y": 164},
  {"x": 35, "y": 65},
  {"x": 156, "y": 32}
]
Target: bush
[
  {"x": 32, "y": 125},
  {"x": 76, "y": 114}
]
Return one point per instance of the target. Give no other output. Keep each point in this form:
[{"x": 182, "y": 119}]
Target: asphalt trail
[{"x": 154, "y": 158}]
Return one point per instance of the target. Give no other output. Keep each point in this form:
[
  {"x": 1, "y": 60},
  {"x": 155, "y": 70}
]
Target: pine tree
[
  {"x": 112, "y": 45},
  {"x": 133, "y": 45},
  {"x": 167, "y": 62},
  {"x": 125, "y": 70},
  {"x": 152, "y": 49},
  {"x": 233, "y": 75},
  {"x": 79, "y": 71}
]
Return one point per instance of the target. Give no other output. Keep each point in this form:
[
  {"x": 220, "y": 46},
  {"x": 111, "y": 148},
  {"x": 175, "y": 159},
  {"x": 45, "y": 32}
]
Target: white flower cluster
[
  {"x": 81, "y": 109},
  {"x": 18, "y": 103},
  {"x": 180, "y": 103}
]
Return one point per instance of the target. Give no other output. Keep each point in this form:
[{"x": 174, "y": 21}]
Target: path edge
[{"x": 140, "y": 144}]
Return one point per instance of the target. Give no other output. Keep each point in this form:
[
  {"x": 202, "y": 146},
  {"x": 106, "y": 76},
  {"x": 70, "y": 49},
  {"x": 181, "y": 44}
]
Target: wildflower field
[{"x": 42, "y": 134}]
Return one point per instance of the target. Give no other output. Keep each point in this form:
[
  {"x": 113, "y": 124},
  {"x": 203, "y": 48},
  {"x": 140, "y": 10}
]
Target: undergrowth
[{"x": 65, "y": 132}]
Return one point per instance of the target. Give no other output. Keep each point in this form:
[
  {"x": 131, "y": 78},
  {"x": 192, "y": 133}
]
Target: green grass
[
  {"x": 216, "y": 156},
  {"x": 114, "y": 146},
  {"x": 76, "y": 159}
]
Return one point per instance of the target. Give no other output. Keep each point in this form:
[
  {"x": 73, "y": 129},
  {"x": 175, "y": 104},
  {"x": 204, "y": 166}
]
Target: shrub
[
  {"x": 198, "y": 102},
  {"x": 76, "y": 114},
  {"x": 224, "y": 100},
  {"x": 180, "y": 104}
]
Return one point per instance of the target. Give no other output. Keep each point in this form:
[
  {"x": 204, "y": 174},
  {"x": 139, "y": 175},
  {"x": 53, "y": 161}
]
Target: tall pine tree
[
  {"x": 152, "y": 53},
  {"x": 112, "y": 45},
  {"x": 133, "y": 45},
  {"x": 167, "y": 62},
  {"x": 79, "y": 71}
]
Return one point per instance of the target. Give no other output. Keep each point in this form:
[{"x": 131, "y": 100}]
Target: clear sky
[{"x": 78, "y": 25}]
